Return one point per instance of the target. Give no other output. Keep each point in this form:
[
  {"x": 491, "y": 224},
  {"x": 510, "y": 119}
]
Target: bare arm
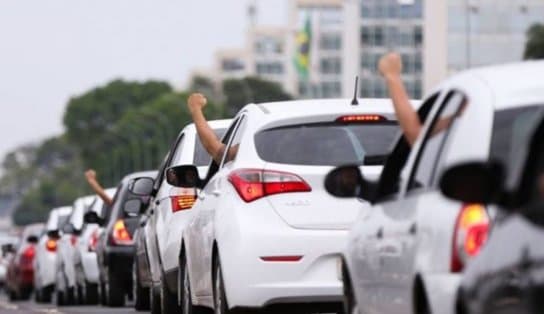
[
  {"x": 209, "y": 139},
  {"x": 90, "y": 175},
  {"x": 390, "y": 67}
]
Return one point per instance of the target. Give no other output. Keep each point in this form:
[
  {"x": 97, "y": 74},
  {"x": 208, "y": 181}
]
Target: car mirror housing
[
  {"x": 473, "y": 182},
  {"x": 142, "y": 186},
  {"x": 344, "y": 182},
  {"x": 184, "y": 176},
  {"x": 92, "y": 217}
]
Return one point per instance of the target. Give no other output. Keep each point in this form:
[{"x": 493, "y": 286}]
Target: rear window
[
  {"x": 61, "y": 220},
  {"x": 327, "y": 144},
  {"x": 202, "y": 158}
]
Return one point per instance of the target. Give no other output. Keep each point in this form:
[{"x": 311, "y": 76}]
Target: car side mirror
[
  {"x": 184, "y": 176},
  {"x": 473, "y": 182},
  {"x": 7, "y": 248},
  {"x": 133, "y": 207},
  {"x": 32, "y": 239},
  {"x": 92, "y": 217},
  {"x": 53, "y": 234},
  {"x": 345, "y": 181},
  {"x": 141, "y": 186}
]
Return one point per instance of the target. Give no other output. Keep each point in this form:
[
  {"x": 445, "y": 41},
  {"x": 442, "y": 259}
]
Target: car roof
[
  {"x": 214, "y": 124},
  {"x": 64, "y": 210},
  {"x": 511, "y": 84}
]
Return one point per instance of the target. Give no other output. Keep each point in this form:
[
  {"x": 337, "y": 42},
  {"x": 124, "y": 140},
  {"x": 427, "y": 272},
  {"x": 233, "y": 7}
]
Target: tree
[
  {"x": 239, "y": 93},
  {"x": 534, "y": 48}
]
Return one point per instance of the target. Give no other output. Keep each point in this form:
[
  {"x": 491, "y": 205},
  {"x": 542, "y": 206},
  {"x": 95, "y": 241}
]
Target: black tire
[
  {"x": 59, "y": 298},
  {"x": 90, "y": 296},
  {"x": 140, "y": 293},
  {"x": 169, "y": 301},
  {"x": 350, "y": 302},
  {"x": 46, "y": 294},
  {"x": 155, "y": 300},
  {"x": 115, "y": 291},
  {"x": 102, "y": 292},
  {"x": 79, "y": 295},
  {"x": 219, "y": 297},
  {"x": 70, "y": 296},
  {"x": 38, "y": 296},
  {"x": 184, "y": 290},
  {"x": 12, "y": 295}
]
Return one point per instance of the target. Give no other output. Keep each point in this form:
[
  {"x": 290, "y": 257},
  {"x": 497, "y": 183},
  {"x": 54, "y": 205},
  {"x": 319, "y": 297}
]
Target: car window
[
  {"x": 389, "y": 183},
  {"x": 232, "y": 148},
  {"x": 177, "y": 152},
  {"x": 437, "y": 135},
  {"x": 61, "y": 220},
  {"x": 327, "y": 144},
  {"x": 214, "y": 166},
  {"x": 107, "y": 209},
  {"x": 202, "y": 158}
]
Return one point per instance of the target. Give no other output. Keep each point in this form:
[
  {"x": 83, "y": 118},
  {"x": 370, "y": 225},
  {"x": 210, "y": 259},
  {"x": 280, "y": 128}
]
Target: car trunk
[{"x": 316, "y": 209}]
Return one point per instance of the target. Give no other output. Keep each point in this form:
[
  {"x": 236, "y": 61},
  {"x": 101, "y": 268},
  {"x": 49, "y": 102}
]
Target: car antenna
[{"x": 355, "y": 102}]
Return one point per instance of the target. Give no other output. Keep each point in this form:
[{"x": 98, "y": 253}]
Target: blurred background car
[
  {"x": 159, "y": 239},
  {"x": 65, "y": 282},
  {"x": 264, "y": 232},
  {"x": 85, "y": 262},
  {"x": 20, "y": 273},
  {"x": 6, "y": 241},
  {"x": 115, "y": 247},
  {"x": 46, "y": 254}
]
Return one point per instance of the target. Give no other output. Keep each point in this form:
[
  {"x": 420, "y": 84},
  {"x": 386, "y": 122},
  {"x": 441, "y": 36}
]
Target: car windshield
[
  {"x": 202, "y": 158},
  {"x": 327, "y": 144}
]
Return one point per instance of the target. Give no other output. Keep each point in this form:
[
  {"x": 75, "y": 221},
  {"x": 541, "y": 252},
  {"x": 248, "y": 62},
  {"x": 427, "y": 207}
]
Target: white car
[
  {"x": 46, "y": 254},
  {"x": 65, "y": 276},
  {"x": 407, "y": 252},
  {"x": 85, "y": 262},
  {"x": 168, "y": 213},
  {"x": 264, "y": 232}
]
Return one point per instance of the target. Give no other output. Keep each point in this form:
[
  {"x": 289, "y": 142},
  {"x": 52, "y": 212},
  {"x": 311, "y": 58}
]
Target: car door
[{"x": 203, "y": 224}]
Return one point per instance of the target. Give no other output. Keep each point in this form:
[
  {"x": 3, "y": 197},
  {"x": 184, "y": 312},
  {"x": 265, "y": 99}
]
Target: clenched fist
[
  {"x": 196, "y": 102},
  {"x": 390, "y": 65},
  {"x": 90, "y": 175}
]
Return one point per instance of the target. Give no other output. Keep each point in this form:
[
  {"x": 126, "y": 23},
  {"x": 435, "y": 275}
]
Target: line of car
[{"x": 450, "y": 224}]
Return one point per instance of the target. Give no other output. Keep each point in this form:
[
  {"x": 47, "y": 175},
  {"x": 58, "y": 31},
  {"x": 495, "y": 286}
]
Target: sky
[{"x": 53, "y": 50}]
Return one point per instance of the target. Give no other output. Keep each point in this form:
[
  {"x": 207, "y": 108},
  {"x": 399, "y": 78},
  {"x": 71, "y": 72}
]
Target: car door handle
[
  {"x": 379, "y": 234},
  {"x": 413, "y": 229}
]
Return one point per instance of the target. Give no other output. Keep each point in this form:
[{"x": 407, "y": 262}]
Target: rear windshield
[
  {"x": 61, "y": 220},
  {"x": 327, "y": 144},
  {"x": 511, "y": 131},
  {"x": 202, "y": 158}
]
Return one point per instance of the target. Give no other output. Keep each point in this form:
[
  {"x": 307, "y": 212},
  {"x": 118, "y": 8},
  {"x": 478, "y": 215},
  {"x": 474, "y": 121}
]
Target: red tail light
[
  {"x": 51, "y": 245},
  {"x": 93, "y": 241},
  {"x": 120, "y": 234},
  {"x": 28, "y": 255},
  {"x": 252, "y": 184},
  {"x": 73, "y": 240},
  {"x": 358, "y": 118},
  {"x": 470, "y": 235},
  {"x": 282, "y": 259},
  {"x": 182, "y": 202}
]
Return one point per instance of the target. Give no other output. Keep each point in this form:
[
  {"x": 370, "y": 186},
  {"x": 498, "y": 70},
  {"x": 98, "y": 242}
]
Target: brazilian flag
[{"x": 302, "y": 57}]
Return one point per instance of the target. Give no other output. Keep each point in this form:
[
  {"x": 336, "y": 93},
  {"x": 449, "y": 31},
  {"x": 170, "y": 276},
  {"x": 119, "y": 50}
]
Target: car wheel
[
  {"x": 141, "y": 294},
  {"x": 115, "y": 292},
  {"x": 70, "y": 296},
  {"x": 12, "y": 295},
  {"x": 219, "y": 296},
  {"x": 79, "y": 295},
  {"x": 169, "y": 302},
  {"x": 154, "y": 300},
  {"x": 90, "y": 295},
  {"x": 350, "y": 302},
  {"x": 102, "y": 293},
  {"x": 38, "y": 295},
  {"x": 46, "y": 294},
  {"x": 184, "y": 290}
]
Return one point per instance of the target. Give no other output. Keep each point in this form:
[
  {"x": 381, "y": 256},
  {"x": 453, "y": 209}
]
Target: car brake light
[
  {"x": 358, "y": 118},
  {"x": 73, "y": 240},
  {"x": 51, "y": 245},
  {"x": 470, "y": 235},
  {"x": 93, "y": 241},
  {"x": 120, "y": 234},
  {"x": 28, "y": 255},
  {"x": 182, "y": 202},
  {"x": 252, "y": 184},
  {"x": 284, "y": 259}
]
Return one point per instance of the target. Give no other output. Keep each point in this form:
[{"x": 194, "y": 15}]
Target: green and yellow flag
[{"x": 302, "y": 57}]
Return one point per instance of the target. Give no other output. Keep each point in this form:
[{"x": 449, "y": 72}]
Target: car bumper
[
  {"x": 90, "y": 266},
  {"x": 45, "y": 273},
  {"x": 441, "y": 291},
  {"x": 252, "y": 282}
]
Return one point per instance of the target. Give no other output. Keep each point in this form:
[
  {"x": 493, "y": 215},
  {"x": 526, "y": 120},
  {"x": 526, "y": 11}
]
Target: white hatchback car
[
  {"x": 46, "y": 254},
  {"x": 85, "y": 263},
  {"x": 264, "y": 232},
  {"x": 407, "y": 252},
  {"x": 65, "y": 276}
]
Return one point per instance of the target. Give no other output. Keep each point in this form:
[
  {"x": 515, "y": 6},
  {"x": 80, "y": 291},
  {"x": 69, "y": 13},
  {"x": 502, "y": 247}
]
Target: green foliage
[
  {"x": 534, "y": 48},
  {"x": 239, "y": 93}
]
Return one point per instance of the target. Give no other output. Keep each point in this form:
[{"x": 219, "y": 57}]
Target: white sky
[{"x": 51, "y": 50}]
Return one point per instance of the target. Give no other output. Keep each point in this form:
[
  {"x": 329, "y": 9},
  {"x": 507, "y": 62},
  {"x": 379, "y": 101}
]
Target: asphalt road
[{"x": 29, "y": 307}]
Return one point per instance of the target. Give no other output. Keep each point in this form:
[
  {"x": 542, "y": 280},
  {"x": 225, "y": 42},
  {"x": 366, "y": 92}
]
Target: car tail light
[
  {"x": 358, "y": 118},
  {"x": 252, "y": 184},
  {"x": 93, "y": 241},
  {"x": 120, "y": 234},
  {"x": 51, "y": 245},
  {"x": 73, "y": 240},
  {"x": 470, "y": 235},
  {"x": 28, "y": 255},
  {"x": 282, "y": 259},
  {"x": 182, "y": 202}
]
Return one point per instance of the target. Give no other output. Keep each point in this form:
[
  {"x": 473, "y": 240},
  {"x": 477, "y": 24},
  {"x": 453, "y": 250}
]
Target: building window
[
  {"x": 232, "y": 65},
  {"x": 264, "y": 68},
  {"x": 330, "y": 66},
  {"x": 330, "y": 42}
]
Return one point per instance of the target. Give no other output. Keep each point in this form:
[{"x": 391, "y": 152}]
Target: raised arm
[
  {"x": 90, "y": 175},
  {"x": 209, "y": 139},
  {"x": 390, "y": 66}
]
